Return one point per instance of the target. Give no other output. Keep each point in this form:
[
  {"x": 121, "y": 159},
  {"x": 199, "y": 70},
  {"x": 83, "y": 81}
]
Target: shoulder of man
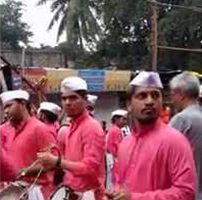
[
  {"x": 91, "y": 125},
  {"x": 40, "y": 127},
  {"x": 63, "y": 127},
  {"x": 180, "y": 122}
]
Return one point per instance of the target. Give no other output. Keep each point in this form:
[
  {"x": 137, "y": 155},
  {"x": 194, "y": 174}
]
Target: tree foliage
[
  {"x": 124, "y": 38},
  {"x": 126, "y": 32},
  {"x": 182, "y": 28},
  {"x": 13, "y": 30},
  {"x": 78, "y": 19},
  {"x": 128, "y": 29}
]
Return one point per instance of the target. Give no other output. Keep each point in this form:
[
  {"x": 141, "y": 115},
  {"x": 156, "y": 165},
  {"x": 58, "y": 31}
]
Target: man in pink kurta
[
  {"x": 48, "y": 113},
  {"x": 84, "y": 143},
  {"x": 85, "y": 146},
  {"x": 155, "y": 162},
  {"x": 31, "y": 136},
  {"x": 114, "y": 137}
]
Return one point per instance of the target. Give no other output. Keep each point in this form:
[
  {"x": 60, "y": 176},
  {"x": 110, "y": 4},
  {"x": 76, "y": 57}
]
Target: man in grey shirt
[{"x": 185, "y": 95}]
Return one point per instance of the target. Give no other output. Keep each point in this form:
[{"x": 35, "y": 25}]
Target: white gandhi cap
[
  {"x": 119, "y": 112},
  {"x": 73, "y": 83},
  {"x": 14, "y": 94},
  {"x": 92, "y": 99},
  {"x": 51, "y": 107},
  {"x": 147, "y": 79}
]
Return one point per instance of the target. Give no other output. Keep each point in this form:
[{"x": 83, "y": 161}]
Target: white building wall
[{"x": 106, "y": 103}]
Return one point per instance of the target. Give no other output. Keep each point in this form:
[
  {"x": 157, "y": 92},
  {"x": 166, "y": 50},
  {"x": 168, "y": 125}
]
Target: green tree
[
  {"x": 128, "y": 29},
  {"x": 13, "y": 30},
  {"x": 78, "y": 19},
  {"x": 125, "y": 36},
  {"x": 181, "y": 27}
]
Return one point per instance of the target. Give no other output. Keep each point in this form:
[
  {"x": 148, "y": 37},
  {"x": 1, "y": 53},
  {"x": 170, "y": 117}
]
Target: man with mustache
[
  {"x": 30, "y": 137},
  {"x": 155, "y": 162}
]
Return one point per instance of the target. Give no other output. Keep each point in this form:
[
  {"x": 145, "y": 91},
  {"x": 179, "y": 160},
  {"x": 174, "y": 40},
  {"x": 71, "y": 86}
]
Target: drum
[
  {"x": 14, "y": 192},
  {"x": 63, "y": 193}
]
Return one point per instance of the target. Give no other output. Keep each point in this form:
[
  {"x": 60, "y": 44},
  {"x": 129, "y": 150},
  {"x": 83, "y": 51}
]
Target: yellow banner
[
  {"x": 117, "y": 80},
  {"x": 55, "y": 76}
]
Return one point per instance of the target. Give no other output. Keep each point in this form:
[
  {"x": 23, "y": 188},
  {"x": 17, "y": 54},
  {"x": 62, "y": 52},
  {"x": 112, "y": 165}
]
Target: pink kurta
[
  {"x": 85, "y": 144},
  {"x": 7, "y": 134},
  {"x": 7, "y": 167},
  {"x": 52, "y": 129},
  {"x": 157, "y": 164},
  {"x": 61, "y": 138},
  {"x": 114, "y": 138},
  {"x": 32, "y": 137}
]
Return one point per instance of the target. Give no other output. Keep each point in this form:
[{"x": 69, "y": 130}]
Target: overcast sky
[{"x": 38, "y": 18}]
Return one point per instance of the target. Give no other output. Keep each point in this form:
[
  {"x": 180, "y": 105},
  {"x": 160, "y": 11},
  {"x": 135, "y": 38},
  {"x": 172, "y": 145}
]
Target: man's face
[
  {"x": 146, "y": 104},
  {"x": 14, "y": 112},
  {"x": 121, "y": 121},
  {"x": 177, "y": 97},
  {"x": 90, "y": 109},
  {"x": 73, "y": 104}
]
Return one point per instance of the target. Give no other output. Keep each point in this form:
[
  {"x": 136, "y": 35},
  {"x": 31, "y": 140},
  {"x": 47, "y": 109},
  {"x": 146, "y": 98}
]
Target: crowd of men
[{"x": 150, "y": 160}]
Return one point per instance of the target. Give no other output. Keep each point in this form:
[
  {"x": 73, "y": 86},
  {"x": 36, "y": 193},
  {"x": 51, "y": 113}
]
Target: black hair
[
  {"x": 82, "y": 93},
  {"x": 50, "y": 117},
  {"x": 114, "y": 118},
  {"x": 90, "y": 107}
]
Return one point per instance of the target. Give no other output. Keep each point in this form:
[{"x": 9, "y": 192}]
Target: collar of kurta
[
  {"x": 23, "y": 124},
  {"x": 148, "y": 129},
  {"x": 75, "y": 123}
]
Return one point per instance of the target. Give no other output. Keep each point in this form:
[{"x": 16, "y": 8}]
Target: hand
[
  {"x": 47, "y": 159},
  {"x": 120, "y": 194}
]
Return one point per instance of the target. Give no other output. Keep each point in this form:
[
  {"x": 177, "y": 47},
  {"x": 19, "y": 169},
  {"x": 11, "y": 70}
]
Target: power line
[
  {"x": 180, "y": 49},
  {"x": 191, "y": 8}
]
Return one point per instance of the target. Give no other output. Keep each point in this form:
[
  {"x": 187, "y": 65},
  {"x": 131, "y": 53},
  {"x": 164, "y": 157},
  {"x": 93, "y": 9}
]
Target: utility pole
[{"x": 154, "y": 35}]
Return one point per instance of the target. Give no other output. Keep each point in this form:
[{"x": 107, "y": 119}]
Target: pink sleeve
[
  {"x": 94, "y": 151},
  {"x": 61, "y": 138},
  {"x": 44, "y": 138},
  {"x": 8, "y": 170},
  {"x": 182, "y": 171}
]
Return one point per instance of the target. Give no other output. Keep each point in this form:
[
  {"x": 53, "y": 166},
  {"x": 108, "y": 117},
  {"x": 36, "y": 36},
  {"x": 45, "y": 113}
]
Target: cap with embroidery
[
  {"x": 14, "y": 94},
  {"x": 119, "y": 112},
  {"x": 92, "y": 99},
  {"x": 51, "y": 107},
  {"x": 147, "y": 79},
  {"x": 73, "y": 84}
]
